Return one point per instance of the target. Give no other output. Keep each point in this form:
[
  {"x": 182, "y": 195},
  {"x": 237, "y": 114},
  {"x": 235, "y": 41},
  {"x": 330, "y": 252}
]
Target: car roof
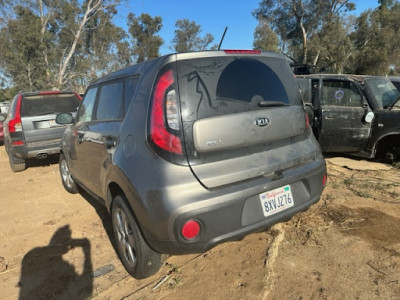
[{"x": 159, "y": 61}]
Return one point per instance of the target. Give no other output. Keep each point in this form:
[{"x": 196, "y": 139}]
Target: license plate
[{"x": 276, "y": 200}]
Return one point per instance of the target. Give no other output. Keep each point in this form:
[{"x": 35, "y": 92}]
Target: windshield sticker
[{"x": 339, "y": 94}]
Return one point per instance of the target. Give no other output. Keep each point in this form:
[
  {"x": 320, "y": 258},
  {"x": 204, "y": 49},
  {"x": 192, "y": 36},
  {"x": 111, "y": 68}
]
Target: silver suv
[
  {"x": 191, "y": 150},
  {"x": 30, "y": 130}
]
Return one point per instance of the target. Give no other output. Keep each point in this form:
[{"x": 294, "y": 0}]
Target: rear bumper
[
  {"x": 24, "y": 152},
  {"x": 233, "y": 212}
]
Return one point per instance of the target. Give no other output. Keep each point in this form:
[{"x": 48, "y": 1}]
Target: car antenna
[{"x": 220, "y": 43}]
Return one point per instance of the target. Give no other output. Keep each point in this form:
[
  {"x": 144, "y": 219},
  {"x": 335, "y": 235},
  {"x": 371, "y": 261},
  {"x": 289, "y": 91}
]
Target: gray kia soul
[{"x": 191, "y": 150}]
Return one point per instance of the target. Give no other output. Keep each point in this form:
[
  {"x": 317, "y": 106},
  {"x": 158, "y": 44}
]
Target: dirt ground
[{"x": 54, "y": 245}]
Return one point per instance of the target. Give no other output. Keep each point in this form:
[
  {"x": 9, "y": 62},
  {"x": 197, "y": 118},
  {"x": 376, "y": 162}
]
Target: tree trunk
[{"x": 90, "y": 11}]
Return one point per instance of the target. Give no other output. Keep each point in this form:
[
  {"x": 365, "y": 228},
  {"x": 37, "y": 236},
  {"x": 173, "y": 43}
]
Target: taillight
[
  {"x": 165, "y": 115},
  {"x": 307, "y": 121},
  {"x": 15, "y": 125},
  {"x": 324, "y": 179}
]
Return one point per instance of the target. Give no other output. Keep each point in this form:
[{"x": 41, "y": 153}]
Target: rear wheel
[
  {"x": 16, "y": 167},
  {"x": 137, "y": 257},
  {"x": 66, "y": 177}
]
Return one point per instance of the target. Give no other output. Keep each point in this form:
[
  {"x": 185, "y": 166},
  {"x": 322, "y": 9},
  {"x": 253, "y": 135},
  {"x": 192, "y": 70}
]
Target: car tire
[
  {"x": 66, "y": 177},
  {"x": 16, "y": 167},
  {"x": 139, "y": 260}
]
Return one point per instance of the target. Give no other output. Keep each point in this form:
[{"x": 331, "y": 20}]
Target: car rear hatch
[
  {"x": 38, "y": 113},
  {"x": 242, "y": 116}
]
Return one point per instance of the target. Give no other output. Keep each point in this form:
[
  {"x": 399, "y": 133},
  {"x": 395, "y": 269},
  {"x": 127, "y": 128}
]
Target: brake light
[
  {"x": 242, "y": 51},
  {"x": 165, "y": 113},
  {"x": 15, "y": 125},
  {"x": 307, "y": 121},
  {"x": 50, "y": 93}
]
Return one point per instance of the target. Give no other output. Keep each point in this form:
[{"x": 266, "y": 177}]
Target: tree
[
  {"x": 21, "y": 52},
  {"x": 296, "y": 20},
  {"x": 332, "y": 48},
  {"x": 265, "y": 38},
  {"x": 146, "y": 44},
  {"x": 187, "y": 37},
  {"x": 54, "y": 43},
  {"x": 86, "y": 12},
  {"x": 376, "y": 37}
]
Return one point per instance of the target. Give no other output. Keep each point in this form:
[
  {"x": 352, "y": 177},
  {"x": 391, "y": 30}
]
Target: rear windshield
[
  {"x": 48, "y": 104},
  {"x": 220, "y": 85}
]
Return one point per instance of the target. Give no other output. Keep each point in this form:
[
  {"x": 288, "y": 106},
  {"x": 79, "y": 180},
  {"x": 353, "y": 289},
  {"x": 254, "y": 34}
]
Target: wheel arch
[{"x": 386, "y": 142}]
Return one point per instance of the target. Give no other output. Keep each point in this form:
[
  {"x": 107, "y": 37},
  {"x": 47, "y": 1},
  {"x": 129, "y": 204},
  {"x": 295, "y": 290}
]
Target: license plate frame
[{"x": 276, "y": 200}]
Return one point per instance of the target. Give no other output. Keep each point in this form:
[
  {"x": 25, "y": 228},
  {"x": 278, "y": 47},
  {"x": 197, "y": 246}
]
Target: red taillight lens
[
  {"x": 324, "y": 179},
  {"x": 14, "y": 125},
  {"x": 307, "y": 121},
  {"x": 190, "y": 230},
  {"x": 165, "y": 113}
]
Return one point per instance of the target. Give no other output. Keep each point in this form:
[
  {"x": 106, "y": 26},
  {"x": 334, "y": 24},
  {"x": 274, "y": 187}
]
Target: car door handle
[{"x": 328, "y": 117}]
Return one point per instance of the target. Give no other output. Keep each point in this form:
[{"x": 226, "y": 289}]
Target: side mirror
[
  {"x": 369, "y": 117},
  {"x": 64, "y": 119}
]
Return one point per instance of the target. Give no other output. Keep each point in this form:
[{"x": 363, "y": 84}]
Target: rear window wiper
[{"x": 271, "y": 103}]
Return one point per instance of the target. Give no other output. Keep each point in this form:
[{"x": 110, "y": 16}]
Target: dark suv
[
  {"x": 30, "y": 130},
  {"x": 191, "y": 150}
]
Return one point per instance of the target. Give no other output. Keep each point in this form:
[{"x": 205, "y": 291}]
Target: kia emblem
[{"x": 262, "y": 122}]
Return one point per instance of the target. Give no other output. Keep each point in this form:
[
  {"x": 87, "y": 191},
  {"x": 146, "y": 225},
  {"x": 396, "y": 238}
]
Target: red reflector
[
  {"x": 190, "y": 230},
  {"x": 242, "y": 51},
  {"x": 18, "y": 143},
  {"x": 324, "y": 179}
]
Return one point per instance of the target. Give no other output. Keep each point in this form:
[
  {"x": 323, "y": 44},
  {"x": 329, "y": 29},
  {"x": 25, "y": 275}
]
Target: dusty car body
[
  {"x": 190, "y": 150},
  {"x": 353, "y": 114}
]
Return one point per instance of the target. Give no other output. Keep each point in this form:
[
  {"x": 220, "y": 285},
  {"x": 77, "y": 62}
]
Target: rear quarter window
[{"x": 110, "y": 105}]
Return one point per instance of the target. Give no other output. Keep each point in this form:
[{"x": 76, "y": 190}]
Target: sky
[{"x": 212, "y": 15}]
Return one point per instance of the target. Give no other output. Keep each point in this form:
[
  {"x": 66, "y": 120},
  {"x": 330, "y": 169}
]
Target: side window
[
  {"x": 110, "y": 102},
  {"x": 130, "y": 87},
  {"x": 340, "y": 93},
  {"x": 86, "y": 110}
]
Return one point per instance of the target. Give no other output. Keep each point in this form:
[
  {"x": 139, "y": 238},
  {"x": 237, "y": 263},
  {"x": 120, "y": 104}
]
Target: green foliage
[
  {"x": 265, "y": 38},
  {"x": 377, "y": 40},
  {"x": 143, "y": 31},
  {"x": 187, "y": 37},
  {"x": 21, "y": 52},
  {"x": 58, "y": 43},
  {"x": 296, "y": 21}
]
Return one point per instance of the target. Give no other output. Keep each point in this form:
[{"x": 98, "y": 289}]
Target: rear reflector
[
  {"x": 324, "y": 179},
  {"x": 190, "y": 230},
  {"x": 242, "y": 51}
]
